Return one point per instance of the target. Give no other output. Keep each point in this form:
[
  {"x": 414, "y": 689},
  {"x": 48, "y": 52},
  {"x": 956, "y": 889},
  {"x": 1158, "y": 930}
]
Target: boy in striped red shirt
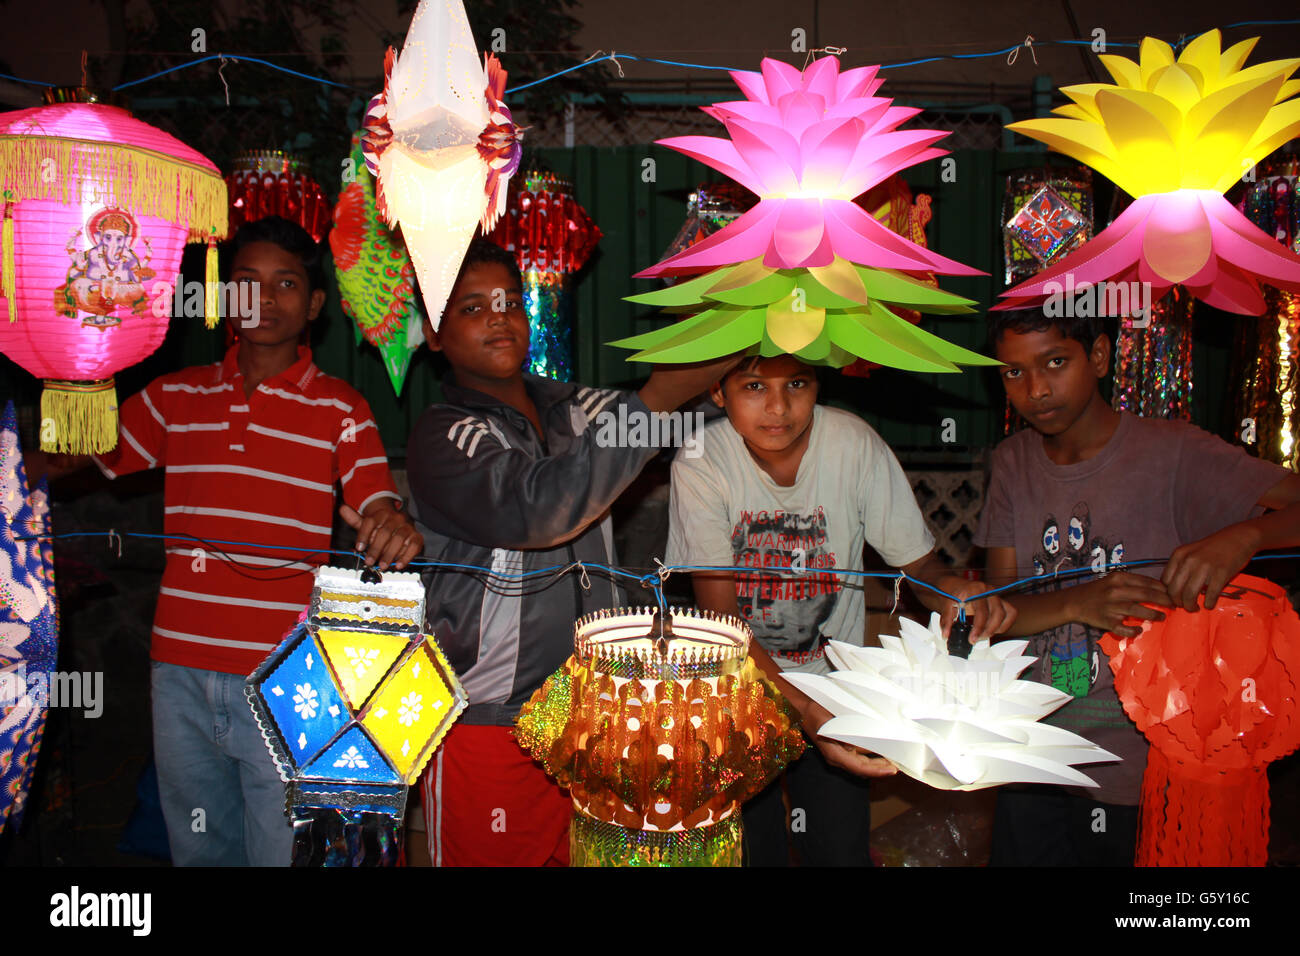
[{"x": 253, "y": 448}]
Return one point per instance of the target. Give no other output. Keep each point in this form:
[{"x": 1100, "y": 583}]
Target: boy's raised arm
[
  {"x": 671, "y": 385},
  {"x": 470, "y": 485}
]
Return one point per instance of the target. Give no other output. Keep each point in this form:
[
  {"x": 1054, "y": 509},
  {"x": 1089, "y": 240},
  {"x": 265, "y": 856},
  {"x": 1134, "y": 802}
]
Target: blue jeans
[{"x": 222, "y": 797}]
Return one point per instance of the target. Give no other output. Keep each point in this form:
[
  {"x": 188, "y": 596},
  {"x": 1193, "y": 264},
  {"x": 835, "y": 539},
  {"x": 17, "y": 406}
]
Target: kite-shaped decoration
[
  {"x": 807, "y": 271},
  {"x": 1046, "y": 224},
  {"x": 1071, "y": 185},
  {"x": 953, "y": 723},
  {"x": 1215, "y": 694},
  {"x": 1175, "y": 133},
  {"x": 375, "y": 274},
  {"x": 442, "y": 143},
  {"x": 28, "y": 622}
]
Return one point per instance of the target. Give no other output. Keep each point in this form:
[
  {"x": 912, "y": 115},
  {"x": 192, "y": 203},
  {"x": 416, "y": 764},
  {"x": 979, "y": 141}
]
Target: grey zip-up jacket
[{"x": 488, "y": 493}]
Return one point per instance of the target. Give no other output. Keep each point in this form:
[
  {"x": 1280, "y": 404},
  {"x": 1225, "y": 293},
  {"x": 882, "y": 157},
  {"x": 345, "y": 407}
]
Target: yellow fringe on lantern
[
  {"x": 8, "y": 278},
  {"x": 138, "y": 180},
  {"x": 79, "y": 418},
  {"x": 211, "y": 287}
]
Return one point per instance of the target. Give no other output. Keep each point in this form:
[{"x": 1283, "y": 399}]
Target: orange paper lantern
[{"x": 1215, "y": 694}]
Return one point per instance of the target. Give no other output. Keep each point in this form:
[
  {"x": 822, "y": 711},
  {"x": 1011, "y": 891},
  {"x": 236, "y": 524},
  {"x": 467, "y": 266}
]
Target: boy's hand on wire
[
  {"x": 385, "y": 534},
  {"x": 988, "y": 616},
  {"x": 1117, "y": 595},
  {"x": 1208, "y": 565}
]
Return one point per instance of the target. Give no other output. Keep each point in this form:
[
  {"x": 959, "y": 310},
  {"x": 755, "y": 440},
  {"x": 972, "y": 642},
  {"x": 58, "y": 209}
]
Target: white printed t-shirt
[{"x": 725, "y": 510}]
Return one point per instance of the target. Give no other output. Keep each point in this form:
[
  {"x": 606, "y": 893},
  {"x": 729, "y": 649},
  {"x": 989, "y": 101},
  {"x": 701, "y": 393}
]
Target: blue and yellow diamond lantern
[{"x": 356, "y": 698}]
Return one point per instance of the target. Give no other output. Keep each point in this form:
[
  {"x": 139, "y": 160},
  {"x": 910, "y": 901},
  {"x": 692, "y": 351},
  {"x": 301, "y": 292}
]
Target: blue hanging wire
[
  {"x": 1004, "y": 51},
  {"x": 232, "y": 58},
  {"x": 653, "y": 580},
  {"x": 19, "y": 79}
]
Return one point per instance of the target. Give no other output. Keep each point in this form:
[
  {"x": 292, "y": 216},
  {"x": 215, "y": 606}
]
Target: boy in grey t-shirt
[
  {"x": 785, "y": 483},
  {"x": 1089, "y": 487}
]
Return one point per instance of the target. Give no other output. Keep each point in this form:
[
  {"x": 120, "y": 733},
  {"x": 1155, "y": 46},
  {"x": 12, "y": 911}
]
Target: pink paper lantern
[{"x": 98, "y": 207}]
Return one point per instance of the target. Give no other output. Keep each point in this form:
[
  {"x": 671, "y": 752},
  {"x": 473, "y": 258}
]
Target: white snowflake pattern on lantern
[
  {"x": 305, "y": 701},
  {"x": 352, "y": 759},
  {"x": 409, "y": 712},
  {"x": 361, "y": 660}
]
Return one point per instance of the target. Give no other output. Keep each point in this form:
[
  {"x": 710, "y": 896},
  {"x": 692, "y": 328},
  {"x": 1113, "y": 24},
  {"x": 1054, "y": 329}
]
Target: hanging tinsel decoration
[
  {"x": 271, "y": 182},
  {"x": 1152, "y": 360},
  {"x": 552, "y": 237},
  {"x": 1271, "y": 202},
  {"x": 1266, "y": 349},
  {"x": 1153, "y": 363}
]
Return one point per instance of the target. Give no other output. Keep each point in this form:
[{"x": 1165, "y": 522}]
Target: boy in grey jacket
[{"x": 509, "y": 474}]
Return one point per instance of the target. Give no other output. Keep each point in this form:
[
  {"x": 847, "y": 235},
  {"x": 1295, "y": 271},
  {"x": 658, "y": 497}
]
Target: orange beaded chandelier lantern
[
  {"x": 660, "y": 727},
  {"x": 1215, "y": 694}
]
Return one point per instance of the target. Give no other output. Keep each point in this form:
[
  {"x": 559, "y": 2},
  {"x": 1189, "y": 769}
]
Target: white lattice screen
[{"x": 950, "y": 502}]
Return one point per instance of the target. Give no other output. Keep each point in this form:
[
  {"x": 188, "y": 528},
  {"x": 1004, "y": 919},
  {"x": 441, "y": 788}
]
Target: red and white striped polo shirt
[{"x": 259, "y": 469}]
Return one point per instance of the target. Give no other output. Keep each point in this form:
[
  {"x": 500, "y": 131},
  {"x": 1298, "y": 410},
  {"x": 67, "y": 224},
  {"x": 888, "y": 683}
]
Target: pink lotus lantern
[
  {"x": 97, "y": 209},
  {"x": 807, "y": 271}
]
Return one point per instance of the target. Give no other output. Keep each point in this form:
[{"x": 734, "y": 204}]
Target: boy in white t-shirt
[{"x": 784, "y": 482}]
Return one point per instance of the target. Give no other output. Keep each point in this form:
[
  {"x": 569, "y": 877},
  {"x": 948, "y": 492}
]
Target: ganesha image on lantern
[{"x": 108, "y": 276}]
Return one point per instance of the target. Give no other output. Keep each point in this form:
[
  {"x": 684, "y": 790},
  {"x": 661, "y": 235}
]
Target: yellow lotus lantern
[{"x": 1175, "y": 133}]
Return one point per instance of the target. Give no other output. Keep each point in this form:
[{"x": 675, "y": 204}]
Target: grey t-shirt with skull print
[
  {"x": 849, "y": 489},
  {"x": 1156, "y": 485}
]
